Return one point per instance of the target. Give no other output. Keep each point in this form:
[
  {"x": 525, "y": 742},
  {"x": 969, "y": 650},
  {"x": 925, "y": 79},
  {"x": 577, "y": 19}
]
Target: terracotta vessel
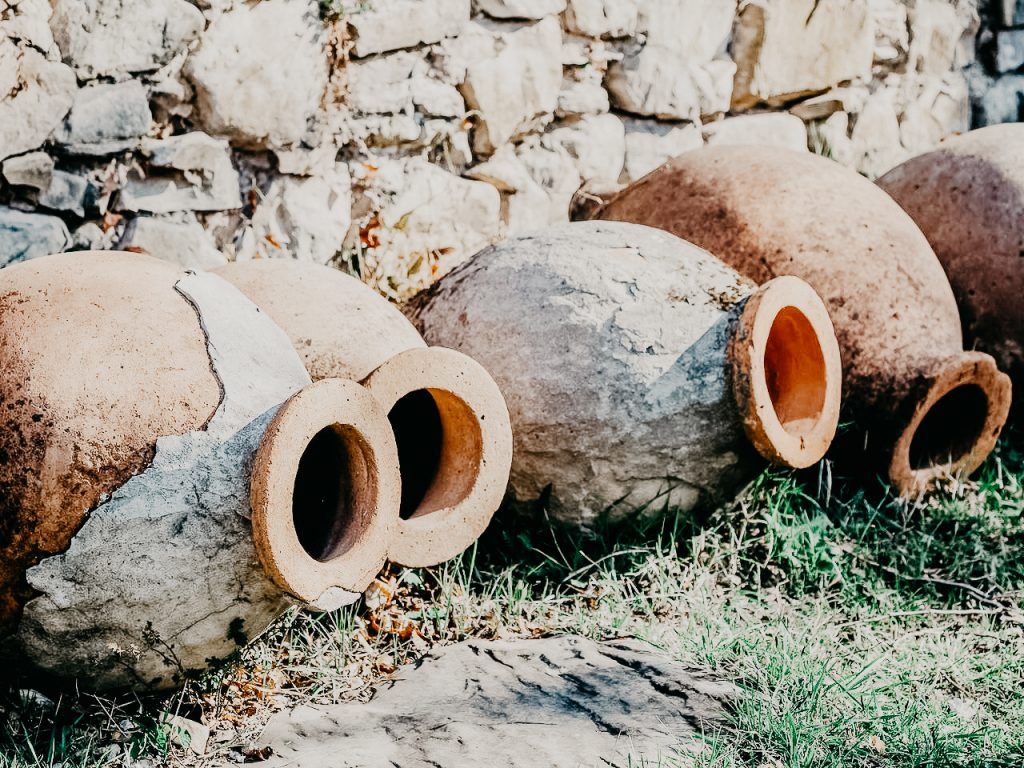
[
  {"x": 449, "y": 418},
  {"x": 137, "y": 402},
  {"x": 967, "y": 197},
  {"x": 927, "y": 408},
  {"x": 640, "y": 372}
]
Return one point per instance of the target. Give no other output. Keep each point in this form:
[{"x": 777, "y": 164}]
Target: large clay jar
[
  {"x": 967, "y": 197},
  {"x": 925, "y": 407},
  {"x": 137, "y": 404},
  {"x": 641, "y": 373},
  {"x": 449, "y": 418}
]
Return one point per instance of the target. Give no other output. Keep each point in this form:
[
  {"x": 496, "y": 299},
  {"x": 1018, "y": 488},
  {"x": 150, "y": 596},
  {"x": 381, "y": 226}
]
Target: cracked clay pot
[
  {"x": 641, "y": 373},
  {"x": 967, "y": 196},
  {"x": 923, "y": 406},
  {"x": 142, "y": 410},
  {"x": 449, "y": 418}
]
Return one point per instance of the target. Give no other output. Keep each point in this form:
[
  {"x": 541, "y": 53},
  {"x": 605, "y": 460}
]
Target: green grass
[{"x": 862, "y": 630}]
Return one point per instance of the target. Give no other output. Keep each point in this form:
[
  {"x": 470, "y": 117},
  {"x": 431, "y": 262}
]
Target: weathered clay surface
[
  {"x": 163, "y": 575},
  {"x": 557, "y": 702},
  {"x": 69, "y": 440},
  {"x": 610, "y": 342},
  {"x": 454, "y": 439},
  {"x": 771, "y": 211},
  {"x": 967, "y": 197}
]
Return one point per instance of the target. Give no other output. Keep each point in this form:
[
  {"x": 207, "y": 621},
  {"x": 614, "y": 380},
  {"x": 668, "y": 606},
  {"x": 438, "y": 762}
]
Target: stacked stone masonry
[{"x": 394, "y": 138}]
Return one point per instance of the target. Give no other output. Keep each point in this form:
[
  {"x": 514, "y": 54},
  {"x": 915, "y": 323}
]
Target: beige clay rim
[
  {"x": 969, "y": 368},
  {"x": 348, "y": 408},
  {"x": 470, "y": 484},
  {"x": 798, "y": 442}
]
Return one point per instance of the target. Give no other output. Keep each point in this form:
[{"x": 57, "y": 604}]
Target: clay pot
[
  {"x": 640, "y": 372},
  {"x": 135, "y": 399},
  {"x": 967, "y": 197},
  {"x": 927, "y": 407},
  {"x": 449, "y": 418}
]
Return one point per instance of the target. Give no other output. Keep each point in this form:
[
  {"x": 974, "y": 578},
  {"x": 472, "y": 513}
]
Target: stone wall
[
  {"x": 396, "y": 137},
  {"x": 997, "y": 76}
]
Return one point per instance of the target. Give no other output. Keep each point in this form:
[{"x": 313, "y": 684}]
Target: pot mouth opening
[
  {"x": 794, "y": 371},
  {"x": 787, "y": 374},
  {"x": 950, "y": 428},
  {"x": 440, "y": 449},
  {"x": 335, "y": 492}
]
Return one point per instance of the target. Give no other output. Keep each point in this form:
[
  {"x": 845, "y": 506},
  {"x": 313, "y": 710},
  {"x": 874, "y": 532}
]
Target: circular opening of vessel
[
  {"x": 950, "y": 429},
  {"x": 795, "y": 371}
]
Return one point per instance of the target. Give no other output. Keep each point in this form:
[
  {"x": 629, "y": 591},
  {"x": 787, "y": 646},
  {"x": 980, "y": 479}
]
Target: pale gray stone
[
  {"x": 106, "y": 118},
  {"x": 513, "y": 76},
  {"x": 558, "y": 702},
  {"x": 118, "y": 37},
  {"x": 28, "y": 21},
  {"x": 602, "y": 18},
  {"x": 649, "y": 144},
  {"x": 383, "y": 84},
  {"x": 66, "y": 192},
  {"x": 302, "y": 218},
  {"x": 120, "y": 606},
  {"x": 190, "y": 172},
  {"x": 387, "y": 25},
  {"x": 519, "y": 9},
  {"x": 766, "y": 129},
  {"x": 27, "y": 235},
  {"x": 260, "y": 72},
  {"x": 788, "y": 48},
  {"x": 1001, "y": 102},
  {"x": 609, "y": 341},
  {"x": 35, "y": 94},
  {"x": 32, "y": 170},
  {"x": 596, "y": 143},
  {"x": 581, "y": 97},
  {"x": 182, "y": 241},
  {"x": 1009, "y": 52}
]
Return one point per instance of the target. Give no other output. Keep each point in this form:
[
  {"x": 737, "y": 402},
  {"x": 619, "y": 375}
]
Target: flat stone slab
[{"x": 564, "y": 701}]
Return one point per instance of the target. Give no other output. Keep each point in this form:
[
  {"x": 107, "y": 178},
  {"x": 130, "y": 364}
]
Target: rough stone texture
[
  {"x": 35, "y": 94},
  {"x": 181, "y": 240},
  {"x": 27, "y": 235},
  {"x": 516, "y": 93},
  {"x": 619, "y": 394},
  {"x": 780, "y": 130},
  {"x": 512, "y": 77},
  {"x": 572, "y": 700},
  {"x": 32, "y": 170},
  {"x": 260, "y": 72},
  {"x": 388, "y": 25},
  {"x": 119, "y": 37},
  {"x": 785, "y": 49},
  {"x": 106, "y": 118},
  {"x": 302, "y": 218},
  {"x": 119, "y": 607}
]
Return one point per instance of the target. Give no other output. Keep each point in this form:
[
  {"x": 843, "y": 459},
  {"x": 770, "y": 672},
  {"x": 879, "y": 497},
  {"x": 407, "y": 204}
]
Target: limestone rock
[
  {"x": 581, "y": 97},
  {"x": 520, "y": 9},
  {"x": 35, "y": 94},
  {"x": 383, "y": 84},
  {"x": 388, "y": 25},
  {"x": 776, "y": 129},
  {"x": 596, "y": 143},
  {"x": 788, "y": 48},
  {"x": 935, "y": 31},
  {"x": 573, "y": 701},
  {"x": 678, "y": 72},
  {"x": 876, "y": 135},
  {"x": 649, "y": 144},
  {"x": 28, "y": 22},
  {"x": 180, "y": 240},
  {"x": 417, "y": 221},
  {"x": 302, "y": 218},
  {"x": 27, "y": 235},
  {"x": 190, "y": 172},
  {"x": 1009, "y": 52},
  {"x": 106, "y": 118},
  {"x": 602, "y": 18},
  {"x": 118, "y": 37},
  {"x": 437, "y": 99},
  {"x": 32, "y": 170},
  {"x": 66, "y": 192},
  {"x": 1000, "y": 101},
  {"x": 260, "y": 72},
  {"x": 513, "y": 76}
]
